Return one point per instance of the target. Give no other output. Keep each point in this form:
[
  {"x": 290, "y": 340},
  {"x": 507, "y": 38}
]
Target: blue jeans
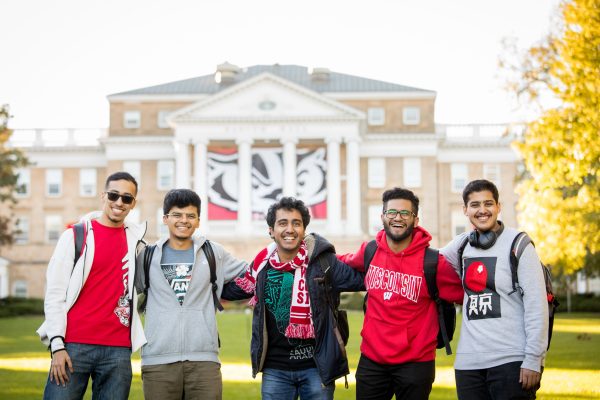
[
  {"x": 278, "y": 384},
  {"x": 108, "y": 366}
]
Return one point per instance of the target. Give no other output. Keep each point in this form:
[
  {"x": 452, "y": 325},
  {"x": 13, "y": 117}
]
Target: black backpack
[
  {"x": 333, "y": 300},
  {"x": 445, "y": 310},
  {"x": 517, "y": 247},
  {"x": 210, "y": 257}
]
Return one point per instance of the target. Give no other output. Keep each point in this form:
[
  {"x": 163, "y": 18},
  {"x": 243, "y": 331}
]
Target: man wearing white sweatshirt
[{"x": 504, "y": 332}]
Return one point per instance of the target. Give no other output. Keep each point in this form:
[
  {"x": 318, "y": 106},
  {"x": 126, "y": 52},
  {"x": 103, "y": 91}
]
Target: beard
[{"x": 398, "y": 238}]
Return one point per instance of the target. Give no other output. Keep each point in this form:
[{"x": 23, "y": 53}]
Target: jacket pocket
[
  {"x": 199, "y": 331},
  {"x": 162, "y": 333}
]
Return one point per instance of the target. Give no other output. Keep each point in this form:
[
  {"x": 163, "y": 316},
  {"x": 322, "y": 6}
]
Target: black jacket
[{"x": 329, "y": 355}]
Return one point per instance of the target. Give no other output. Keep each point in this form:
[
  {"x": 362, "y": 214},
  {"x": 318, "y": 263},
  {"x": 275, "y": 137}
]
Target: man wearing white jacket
[{"x": 91, "y": 323}]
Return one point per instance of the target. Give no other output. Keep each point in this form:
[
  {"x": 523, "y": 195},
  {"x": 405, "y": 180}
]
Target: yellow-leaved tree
[{"x": 559, "y": 204}]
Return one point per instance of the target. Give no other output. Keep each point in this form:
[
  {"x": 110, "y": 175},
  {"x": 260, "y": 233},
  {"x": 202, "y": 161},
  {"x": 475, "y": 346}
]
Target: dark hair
[
  {"x": 180, "y": 198},
  {"x": 288, "y": 203},
  {"x": 479, "y": 185},
  {"x": 400, "y": 193},
  {"x": 121, "y": 176}
]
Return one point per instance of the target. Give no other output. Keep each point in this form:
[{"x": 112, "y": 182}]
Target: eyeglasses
[
  {"x": 180, "y": 216},
  {"x": 404, "y": 214},
  {"x": 125, "y": 198}
]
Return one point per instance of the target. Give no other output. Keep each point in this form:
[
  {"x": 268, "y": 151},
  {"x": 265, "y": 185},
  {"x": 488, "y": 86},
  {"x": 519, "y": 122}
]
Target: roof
[{"x": 335, "y": 82}]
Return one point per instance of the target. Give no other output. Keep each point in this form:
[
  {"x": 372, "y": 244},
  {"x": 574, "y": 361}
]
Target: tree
[
  {"x": 10, "y": 160},
  {"x": 559, "y": 201}
]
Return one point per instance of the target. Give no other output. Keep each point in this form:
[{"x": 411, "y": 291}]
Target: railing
[
  {"x": 459, "y": 132},
  {"x": 56, "y": 137}
]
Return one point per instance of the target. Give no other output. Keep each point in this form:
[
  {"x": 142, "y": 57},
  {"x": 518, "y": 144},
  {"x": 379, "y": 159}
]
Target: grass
[{"x": 572, "y": 368}]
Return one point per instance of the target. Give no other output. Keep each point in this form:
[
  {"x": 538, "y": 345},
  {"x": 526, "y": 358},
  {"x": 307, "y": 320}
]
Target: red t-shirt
[{"x": 101, "y": 313}]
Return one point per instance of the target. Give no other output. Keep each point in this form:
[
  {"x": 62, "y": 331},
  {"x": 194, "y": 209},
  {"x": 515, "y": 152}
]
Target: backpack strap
[
  {"x": 79, "y": 236},
  {"x": 370, "y": 250},
  {"x": 212, "y": 265},
  {"x": 148, "y": 254},
  {"x": 461, "y": 250},
  {"x": 516, "y": 249},
  {"x": 430, "y": 264}
]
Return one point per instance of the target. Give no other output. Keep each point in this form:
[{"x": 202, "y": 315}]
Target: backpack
[
  {"x": 340, "y": 316},
  {"x": 445, "y": 310},
  {"x": 210, "y": 257},
  {"x": 79, "y": 236},
  {"x": 517, "y": 247}
]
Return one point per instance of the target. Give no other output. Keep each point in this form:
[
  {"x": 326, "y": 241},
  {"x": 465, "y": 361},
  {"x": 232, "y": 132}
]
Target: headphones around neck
[{"x": 484, "y": 240}]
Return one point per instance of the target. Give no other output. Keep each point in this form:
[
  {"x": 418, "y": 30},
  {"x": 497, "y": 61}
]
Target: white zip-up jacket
[{"x": 65, "y": 281}]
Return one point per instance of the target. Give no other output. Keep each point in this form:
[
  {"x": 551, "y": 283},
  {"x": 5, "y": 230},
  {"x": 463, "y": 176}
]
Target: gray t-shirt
[{"x": 177, "y": 266}]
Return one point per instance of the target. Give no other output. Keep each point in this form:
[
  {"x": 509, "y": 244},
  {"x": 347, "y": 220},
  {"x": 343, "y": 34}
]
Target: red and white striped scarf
[{"x": 300, "y": 324}]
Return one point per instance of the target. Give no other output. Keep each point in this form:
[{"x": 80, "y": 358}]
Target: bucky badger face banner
[{"x": 267, "y": 181}]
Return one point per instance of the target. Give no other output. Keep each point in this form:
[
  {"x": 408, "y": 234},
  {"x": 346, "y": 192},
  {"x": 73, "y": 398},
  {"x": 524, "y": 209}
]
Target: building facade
[{"x": 241, "y": 138}]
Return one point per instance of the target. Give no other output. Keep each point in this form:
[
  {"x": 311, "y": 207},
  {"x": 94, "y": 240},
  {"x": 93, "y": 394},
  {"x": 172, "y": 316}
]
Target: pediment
[{"x": 265, "y": 97}]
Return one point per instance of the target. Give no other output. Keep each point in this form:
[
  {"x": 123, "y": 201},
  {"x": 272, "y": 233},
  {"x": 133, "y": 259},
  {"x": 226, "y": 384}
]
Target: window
[
  {"x": 22, "y": 231},
  {"x": 53, "y": 182},
  {"x": 491, "y": 172},
  {"x": 375, "y": 224},
  {"x": 161, "y": 229},
  {"x": 165, "y": 174},
  {"x": 459, "y": 176},
  {"x": 135, "y": 169},
  {"x": 87, "y": 182},
  {"x": 162, "y": 119},
  {"x": 411, "y": 115},
  {"x": 376, "y": 172},
  {"x": 20, "y": 289},
  {"x": 412, "y": 172},
  {"x": 376, "y": 116},
  {"x": 23, "y": 182},
  {"x": 459, "y": 223},
  {"x": 53, "y": 228},
  {"x": 132, "y": 119}
]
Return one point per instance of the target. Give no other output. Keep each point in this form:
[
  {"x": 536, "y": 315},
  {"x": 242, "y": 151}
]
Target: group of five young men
[{"x": 92, "y": 323}]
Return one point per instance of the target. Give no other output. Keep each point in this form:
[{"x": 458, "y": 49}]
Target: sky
[{"x": 62, "y": 58}]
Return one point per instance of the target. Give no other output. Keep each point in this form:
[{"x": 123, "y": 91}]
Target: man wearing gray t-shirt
[
  {"x": 181, "y": 359},
  {"x": 504, "y": 333}
]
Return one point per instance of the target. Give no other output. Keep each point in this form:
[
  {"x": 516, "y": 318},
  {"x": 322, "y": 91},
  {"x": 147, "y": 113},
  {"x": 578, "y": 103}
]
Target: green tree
[
  {"x": 10, "y": 160},
  {"x": 560, "y": 192}
]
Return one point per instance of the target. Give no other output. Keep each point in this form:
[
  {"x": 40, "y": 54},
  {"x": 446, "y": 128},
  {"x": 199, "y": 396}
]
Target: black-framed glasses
[
  {"x": 125, "y": 198},
  {"x": 404, "y": 214}
]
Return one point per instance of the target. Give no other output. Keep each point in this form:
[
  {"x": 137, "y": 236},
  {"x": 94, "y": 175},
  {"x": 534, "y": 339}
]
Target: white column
[
  {"x": 289, "y": 167},
  {"x": 201, "y": 180},
  {"x": 182, "y": 164},
  {"x": 353, "y": 215},
  {"x": 244, "y": 225},
  {"x": 334, "y": 197}
]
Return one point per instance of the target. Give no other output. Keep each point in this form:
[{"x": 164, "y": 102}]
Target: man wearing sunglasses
[
  {"x": 91, "y": 323},
  {"x": 400, "y": 328}
]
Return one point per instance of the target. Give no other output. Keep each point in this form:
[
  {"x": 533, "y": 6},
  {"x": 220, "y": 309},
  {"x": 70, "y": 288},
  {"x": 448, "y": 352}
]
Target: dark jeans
[
  {"x": 496, "y": 383},
  {"x": 408, "y": 381},
  {"x": 278, "y": 384},
  {"x": 108, "y": 366}
]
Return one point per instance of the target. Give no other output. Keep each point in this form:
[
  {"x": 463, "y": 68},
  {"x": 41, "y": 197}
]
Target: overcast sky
[{"x": 61, "y": 58}]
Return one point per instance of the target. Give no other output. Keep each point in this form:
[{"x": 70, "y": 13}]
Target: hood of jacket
[
  {"x": 317, "y": 244},
  {"x": 139, "y": 230},
  {"x": 420, "y": 240}
]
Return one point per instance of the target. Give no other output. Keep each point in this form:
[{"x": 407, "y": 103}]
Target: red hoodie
[{"x": 401, "y": 323}]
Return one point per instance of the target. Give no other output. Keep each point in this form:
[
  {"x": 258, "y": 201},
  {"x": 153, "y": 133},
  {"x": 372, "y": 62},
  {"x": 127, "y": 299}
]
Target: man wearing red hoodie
[{"x": 400, "y": 328}]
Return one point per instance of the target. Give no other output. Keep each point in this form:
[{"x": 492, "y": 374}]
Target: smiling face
[
  {"x": 114, "y": 212},
  {"x": 287, "y": 232},
  {"x": 398, "y": 229},
  {"x": 182, "y": 222},
  {"x": 482, "y": 211}
]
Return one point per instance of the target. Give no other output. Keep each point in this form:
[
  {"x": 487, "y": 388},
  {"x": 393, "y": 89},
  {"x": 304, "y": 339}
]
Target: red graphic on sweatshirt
[{"x": 476, "y": 276}]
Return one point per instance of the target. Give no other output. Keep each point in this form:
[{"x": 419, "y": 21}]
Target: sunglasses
[{"x": 125, "y": 198}]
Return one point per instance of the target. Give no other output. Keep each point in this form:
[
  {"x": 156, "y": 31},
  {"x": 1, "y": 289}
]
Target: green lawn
[{"x": 572, "y": 367}]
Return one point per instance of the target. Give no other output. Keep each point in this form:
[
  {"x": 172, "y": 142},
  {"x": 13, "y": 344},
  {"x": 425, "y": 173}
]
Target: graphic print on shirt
[
  {"x": 278, "y": 299},
  {"x": 393, "y": 282},
  {"x": 122, "y": 310},
  {"x": 178, "y": 275},
  {"x": 479, "y": 281}
]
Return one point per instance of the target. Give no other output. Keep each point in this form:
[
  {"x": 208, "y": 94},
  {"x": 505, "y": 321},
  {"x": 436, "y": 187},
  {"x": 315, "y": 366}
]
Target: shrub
[
  {"x": 580, "y": 302},
  {"x": 15, "y": 306}
]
